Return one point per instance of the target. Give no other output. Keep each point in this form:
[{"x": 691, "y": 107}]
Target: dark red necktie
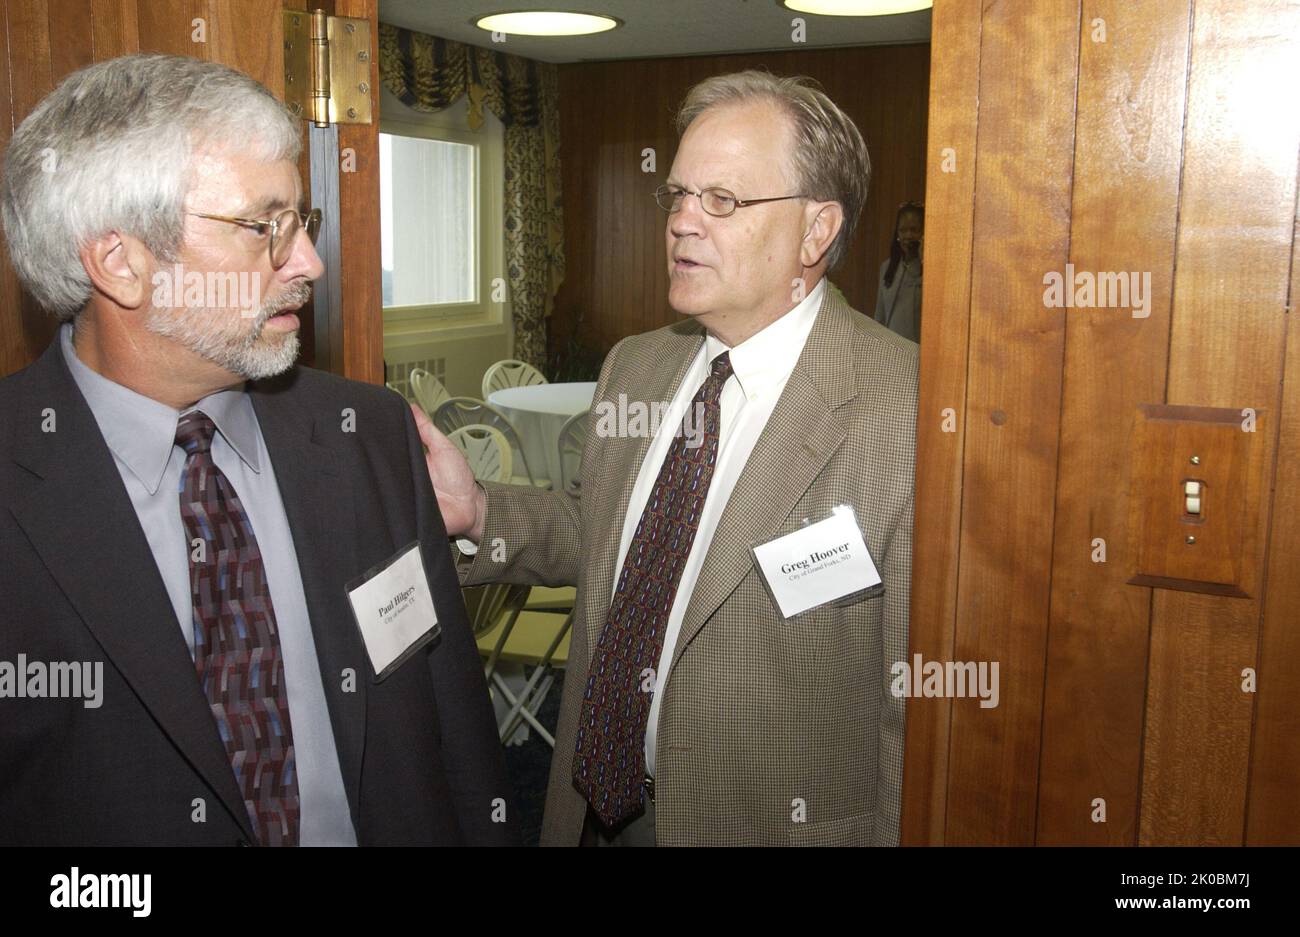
[
  {"x": 236, "y": 645},
  {"x": 609, "y": 769}
]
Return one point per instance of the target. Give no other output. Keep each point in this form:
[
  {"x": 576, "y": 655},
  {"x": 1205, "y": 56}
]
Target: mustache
[{"x": 292, "y": 296}]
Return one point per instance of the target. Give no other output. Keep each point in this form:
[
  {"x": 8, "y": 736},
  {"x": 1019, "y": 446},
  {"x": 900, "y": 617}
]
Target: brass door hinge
[{"x": 327, "y": 67}]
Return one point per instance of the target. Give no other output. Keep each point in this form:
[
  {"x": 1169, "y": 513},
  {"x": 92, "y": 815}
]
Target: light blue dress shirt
[{"x": 141, "y": 434}]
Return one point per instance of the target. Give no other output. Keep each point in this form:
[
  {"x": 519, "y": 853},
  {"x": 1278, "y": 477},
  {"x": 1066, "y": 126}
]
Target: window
[
  {"x": 431, "y": 231},
  {"x": 440, "y": 194}
]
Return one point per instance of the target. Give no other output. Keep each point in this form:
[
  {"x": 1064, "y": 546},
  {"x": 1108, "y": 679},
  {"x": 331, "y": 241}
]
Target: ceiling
[{"x": 656, "y": 28}]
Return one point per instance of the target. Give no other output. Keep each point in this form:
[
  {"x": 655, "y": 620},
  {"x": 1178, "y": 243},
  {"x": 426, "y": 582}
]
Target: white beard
[{"x": 222, "y": 337}]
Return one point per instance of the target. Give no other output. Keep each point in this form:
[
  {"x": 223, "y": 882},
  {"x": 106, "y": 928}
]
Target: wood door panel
[
  {"x": 1164, "y": 716},
  {"x": 941, "y": 420},
  {"x": 1124, "y": 212},
  {"x": 1227, "y": 342},
  {"x": 1021, "y": 212}
]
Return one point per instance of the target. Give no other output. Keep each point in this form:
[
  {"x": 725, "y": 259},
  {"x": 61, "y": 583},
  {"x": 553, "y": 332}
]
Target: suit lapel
[
  {"x": 83, "y": 526},
  {"x": 650, "y": 381},
  {"x": 319, "y": 505},
  {"x": 800, "y": 437}
]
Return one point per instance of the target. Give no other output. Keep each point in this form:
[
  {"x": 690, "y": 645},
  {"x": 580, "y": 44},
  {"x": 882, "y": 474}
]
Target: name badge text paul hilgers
[{"x": 402, "y": 596}]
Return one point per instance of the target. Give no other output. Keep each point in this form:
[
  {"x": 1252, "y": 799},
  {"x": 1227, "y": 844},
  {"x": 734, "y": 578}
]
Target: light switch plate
[{"x": 1222, "y": 555}]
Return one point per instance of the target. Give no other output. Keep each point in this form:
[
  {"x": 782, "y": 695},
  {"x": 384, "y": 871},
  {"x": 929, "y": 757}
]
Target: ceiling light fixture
[
  {"x": 547, "y": 23},
  {"x": 856, "y": 7}
]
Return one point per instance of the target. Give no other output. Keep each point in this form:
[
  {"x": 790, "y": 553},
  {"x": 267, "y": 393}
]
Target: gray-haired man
[
  {"x": 187, "y": 511},
  {"x": 701, "y": 704}
]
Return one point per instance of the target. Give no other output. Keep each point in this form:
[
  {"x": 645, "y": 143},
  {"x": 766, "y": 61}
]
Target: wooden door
[
  {"x": 44, "y": 41},
  {"x": 1160, "y": 139}
]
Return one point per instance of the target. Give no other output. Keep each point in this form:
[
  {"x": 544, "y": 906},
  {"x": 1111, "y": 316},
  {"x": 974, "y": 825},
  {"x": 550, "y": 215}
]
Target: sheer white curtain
[{"x": 429, "y": 256}]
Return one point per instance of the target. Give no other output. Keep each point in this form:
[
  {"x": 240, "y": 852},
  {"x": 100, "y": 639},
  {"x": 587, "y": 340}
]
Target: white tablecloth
[{"x": 538, "y": 414}]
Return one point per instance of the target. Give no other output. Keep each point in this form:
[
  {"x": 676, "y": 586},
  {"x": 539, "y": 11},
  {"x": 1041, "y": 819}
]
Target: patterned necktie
[
  {"x": 609, "y": 769},
  {"x": 236, "y": 645}
]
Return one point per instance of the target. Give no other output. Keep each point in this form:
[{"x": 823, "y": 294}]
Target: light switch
[{"x": 1181, "y": 540}]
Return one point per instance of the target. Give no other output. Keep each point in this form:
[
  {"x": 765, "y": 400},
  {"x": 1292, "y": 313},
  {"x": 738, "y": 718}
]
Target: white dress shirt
[{"x": 761, "y": 365}]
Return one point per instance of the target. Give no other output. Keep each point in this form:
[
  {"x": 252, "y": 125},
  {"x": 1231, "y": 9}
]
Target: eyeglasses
[
  {"x": 718, "y": 202},
  {"x": 284, "y": 229}
]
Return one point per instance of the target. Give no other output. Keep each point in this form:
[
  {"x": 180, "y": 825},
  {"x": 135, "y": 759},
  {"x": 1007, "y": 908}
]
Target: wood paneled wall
[
  {"x": 1156, "y": 138},
  {"x": 617, "y": 279}
]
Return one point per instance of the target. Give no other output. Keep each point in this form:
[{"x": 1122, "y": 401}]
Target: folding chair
[
  {"x": 428, "y": 390},
  {"x": 455, "y": 412},
  {"x": 486, "y": 449},
  {"x": 505, "y": 632},
  {"x": 510, "y": 373},
  {"x": 573, "y": 439}
]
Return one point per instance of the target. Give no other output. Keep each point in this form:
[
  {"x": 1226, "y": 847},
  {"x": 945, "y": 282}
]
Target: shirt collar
[
  {"x": 141, "y": 431},
  {"x": 766, "y": 358}
]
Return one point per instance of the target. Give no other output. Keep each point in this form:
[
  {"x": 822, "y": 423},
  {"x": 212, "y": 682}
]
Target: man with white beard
[{"x": 182, "y": 504}]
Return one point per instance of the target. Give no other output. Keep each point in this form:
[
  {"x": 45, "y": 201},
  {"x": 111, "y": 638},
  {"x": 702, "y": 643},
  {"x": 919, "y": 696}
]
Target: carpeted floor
[{"x": 529, "y": 765}]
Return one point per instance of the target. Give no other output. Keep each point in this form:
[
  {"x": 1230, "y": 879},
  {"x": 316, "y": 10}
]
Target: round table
[{"x": 538, "y": 413}]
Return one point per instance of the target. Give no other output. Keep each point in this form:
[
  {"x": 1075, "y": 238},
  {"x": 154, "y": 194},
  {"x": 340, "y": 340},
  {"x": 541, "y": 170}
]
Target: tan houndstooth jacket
[{"x": 770, "y": 732}]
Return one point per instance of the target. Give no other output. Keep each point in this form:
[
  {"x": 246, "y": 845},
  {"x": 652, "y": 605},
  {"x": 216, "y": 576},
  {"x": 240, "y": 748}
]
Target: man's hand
[{"x": 460, "y": 499}]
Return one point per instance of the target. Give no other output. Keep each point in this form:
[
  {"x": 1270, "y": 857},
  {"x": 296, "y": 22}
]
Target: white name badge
[
  {"x": 817, "y": 564},
  {"x": 394, "y": 609}
]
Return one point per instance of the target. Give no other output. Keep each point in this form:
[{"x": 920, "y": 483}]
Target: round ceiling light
[
  {"x": 857, "y": 7},
  {"x": 546, "y": 23}
]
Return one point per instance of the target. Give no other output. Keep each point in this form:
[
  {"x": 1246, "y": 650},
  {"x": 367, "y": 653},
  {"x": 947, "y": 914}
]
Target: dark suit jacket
[{"x": 419, "y": 752}]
